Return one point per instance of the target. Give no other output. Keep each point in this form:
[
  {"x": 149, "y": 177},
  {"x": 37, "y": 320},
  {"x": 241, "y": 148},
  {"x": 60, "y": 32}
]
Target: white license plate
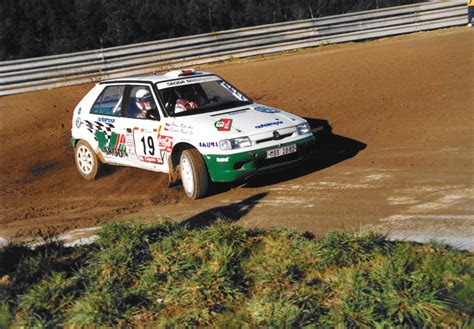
[{"x": 281, "y": 151}]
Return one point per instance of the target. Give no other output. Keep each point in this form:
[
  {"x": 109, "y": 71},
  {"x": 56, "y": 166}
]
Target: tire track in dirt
[{"x": 400, "y": 110}]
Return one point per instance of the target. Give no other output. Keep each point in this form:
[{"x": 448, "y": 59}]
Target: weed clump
[{"x": 225, "y": 275}]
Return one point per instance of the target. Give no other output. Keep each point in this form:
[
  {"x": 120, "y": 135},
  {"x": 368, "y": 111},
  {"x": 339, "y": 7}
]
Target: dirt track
[{"x": 400, "y": 159}]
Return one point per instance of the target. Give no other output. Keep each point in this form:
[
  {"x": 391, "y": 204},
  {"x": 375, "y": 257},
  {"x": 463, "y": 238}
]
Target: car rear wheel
[
  {"x": 87, "y": 162},
  {"x": 193, "y": 173}
]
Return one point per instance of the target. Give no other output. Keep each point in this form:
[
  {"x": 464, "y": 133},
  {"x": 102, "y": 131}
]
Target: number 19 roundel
[{"x": 146, "y": 146}]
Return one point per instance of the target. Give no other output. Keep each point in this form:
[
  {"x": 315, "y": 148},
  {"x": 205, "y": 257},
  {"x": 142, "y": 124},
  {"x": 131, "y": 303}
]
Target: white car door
[{"x": 142, "y": 122}]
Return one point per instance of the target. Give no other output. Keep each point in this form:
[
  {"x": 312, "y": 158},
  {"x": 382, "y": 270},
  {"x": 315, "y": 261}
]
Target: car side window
[
  {"x": 109, "y": 102},
  {"x": 141, "y": 104}
]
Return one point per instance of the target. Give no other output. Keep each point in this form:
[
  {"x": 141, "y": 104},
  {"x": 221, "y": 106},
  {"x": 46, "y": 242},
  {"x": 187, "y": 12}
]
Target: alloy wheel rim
[
  {"x": 187, "y": 175},
  {"x": 85, "y": 160}
]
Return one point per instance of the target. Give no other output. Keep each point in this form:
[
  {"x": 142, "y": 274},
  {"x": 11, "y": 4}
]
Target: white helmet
[{"x": 142, "y": 96}]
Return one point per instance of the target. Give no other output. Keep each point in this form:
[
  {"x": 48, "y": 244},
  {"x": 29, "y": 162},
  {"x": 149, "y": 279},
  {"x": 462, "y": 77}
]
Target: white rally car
[{"x": 193, "y": 125}]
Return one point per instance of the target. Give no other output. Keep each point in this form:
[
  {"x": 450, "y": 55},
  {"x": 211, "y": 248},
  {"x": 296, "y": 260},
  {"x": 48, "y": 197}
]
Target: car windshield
[{"x": 194, "y": 95}]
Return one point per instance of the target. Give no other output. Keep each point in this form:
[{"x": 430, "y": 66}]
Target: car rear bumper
[{"x": 229, "y": 168}]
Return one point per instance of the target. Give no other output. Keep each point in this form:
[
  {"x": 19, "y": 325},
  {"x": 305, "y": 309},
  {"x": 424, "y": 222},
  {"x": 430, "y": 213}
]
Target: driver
[
  {"x": 186, "y": 99},
  {"x": 145, "y": 103}
]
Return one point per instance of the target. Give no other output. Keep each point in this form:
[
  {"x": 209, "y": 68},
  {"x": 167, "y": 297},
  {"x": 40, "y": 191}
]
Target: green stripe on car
[{"x": 232, "y": 167}]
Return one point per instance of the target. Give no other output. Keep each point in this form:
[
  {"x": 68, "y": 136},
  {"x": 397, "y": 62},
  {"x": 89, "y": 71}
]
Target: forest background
[{"x": 32, "y": 28}]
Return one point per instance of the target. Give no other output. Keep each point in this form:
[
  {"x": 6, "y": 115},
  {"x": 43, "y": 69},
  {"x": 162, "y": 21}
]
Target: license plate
[{"x": 281, "y": 151}]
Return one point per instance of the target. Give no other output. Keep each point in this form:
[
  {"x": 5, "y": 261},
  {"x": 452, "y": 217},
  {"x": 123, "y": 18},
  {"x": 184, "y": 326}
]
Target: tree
[{"x": 30, "y": 28}]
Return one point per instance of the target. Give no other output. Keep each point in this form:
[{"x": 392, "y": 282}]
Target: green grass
[{"x": 225, "y": 275}]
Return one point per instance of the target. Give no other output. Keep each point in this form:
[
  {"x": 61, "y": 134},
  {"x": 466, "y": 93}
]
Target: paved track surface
[{"x": 400, "y": 158}]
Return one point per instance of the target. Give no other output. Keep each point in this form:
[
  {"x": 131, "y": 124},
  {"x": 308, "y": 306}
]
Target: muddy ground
[{"x": 400, "y": 158}]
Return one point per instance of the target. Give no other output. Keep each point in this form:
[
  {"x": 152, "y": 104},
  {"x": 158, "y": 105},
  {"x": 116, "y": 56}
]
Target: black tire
[
  {"x": 193, "y": 173},
  {"x": 87, "y": 162}
]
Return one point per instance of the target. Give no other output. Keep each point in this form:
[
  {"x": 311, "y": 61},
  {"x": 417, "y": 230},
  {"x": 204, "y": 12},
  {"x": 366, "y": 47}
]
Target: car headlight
[
  {"x": 303, "y": 128},
  {"x": 234, "y": 143}
]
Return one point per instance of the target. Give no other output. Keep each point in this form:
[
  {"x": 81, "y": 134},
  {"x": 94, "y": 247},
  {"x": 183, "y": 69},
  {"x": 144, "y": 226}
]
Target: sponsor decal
[
  {"x": 266, "y": 109},
  {"x": 112, "y": 144},
  {"x": 79, "y": 111},
  {"x": 104, "y": 128},
  {"x": 94, "y": 126},
  {"x": 106, "y": 120},
  {"x": 208, "y": 144},
  {"x": 186, "y": 81},
  {"x": 176, "y": 83},
  {"x": 130, "y": 144},
  {"x": 165, "y": 143},
  {"x": 145, "y": 158},
  {"x": 223, "y": 124},
  {"x": 222, "y": 159},
  {"x": 277, "y": 122},
  {"x": 233, "y": 91},
  {"x": 181, "y": 128}
]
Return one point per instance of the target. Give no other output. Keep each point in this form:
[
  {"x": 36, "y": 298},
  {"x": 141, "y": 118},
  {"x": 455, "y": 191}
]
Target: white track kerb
[
  {"x": 90, "y": 66},
  {"x": 190, "y": 124}
]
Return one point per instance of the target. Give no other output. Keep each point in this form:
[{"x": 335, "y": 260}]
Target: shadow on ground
[
  {"x": 232, "y": 212},
  {"x": 330, "y": 149}
]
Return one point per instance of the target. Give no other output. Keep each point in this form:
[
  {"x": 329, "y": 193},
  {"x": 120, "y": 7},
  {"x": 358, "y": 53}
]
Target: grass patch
[{"x": 225, "y": 275}]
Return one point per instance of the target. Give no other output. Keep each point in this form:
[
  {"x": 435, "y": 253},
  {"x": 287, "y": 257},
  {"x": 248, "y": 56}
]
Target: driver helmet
[{"x": 143, "y": 96}]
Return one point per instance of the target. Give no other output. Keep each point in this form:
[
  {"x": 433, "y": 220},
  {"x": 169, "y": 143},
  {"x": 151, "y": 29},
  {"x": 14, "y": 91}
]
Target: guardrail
[{"x": 68, "y": 69}]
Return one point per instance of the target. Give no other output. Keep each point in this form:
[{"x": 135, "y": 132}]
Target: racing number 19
[
  {"x": 151, "y": 145},
  {"x": 147, "y": 147}
]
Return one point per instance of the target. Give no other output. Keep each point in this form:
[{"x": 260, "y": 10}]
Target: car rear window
[{"x": 109, "y": 102}]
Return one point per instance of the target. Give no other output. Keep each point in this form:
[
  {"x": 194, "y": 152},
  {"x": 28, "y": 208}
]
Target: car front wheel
[
  {"x": 87, "y": 162},
  {"x": 193, "y": 174}
]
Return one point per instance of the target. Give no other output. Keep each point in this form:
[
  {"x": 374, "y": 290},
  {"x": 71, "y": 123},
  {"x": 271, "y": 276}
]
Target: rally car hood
[{"x": 244, "y": 121}]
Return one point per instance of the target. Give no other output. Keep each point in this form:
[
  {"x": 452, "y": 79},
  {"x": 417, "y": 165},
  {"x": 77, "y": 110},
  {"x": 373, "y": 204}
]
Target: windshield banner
[
  {"x": 234, "y": 92},
  {"x": 186, "y": 81}
]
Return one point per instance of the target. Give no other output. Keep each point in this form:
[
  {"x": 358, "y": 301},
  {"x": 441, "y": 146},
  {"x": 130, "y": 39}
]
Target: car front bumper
[{"x": 233, "y": 167}]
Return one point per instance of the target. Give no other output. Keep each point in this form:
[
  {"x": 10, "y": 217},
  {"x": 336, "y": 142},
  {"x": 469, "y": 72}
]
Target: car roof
[{"x": 154, "y": 78}]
